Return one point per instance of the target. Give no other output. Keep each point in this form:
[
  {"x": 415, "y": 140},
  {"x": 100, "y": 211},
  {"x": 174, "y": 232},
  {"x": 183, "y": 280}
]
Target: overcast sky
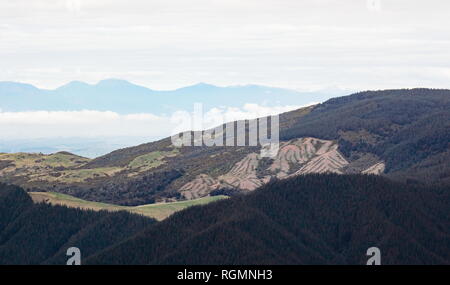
[{"x": 165, "y": 44}]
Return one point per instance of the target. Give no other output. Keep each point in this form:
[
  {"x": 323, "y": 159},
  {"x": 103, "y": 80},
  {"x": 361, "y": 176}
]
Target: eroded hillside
[
  {"x": 250, "y": 171},
  {"x": 295, "y": 157}
]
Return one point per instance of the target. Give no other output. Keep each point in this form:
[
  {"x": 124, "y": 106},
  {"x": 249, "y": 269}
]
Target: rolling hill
[{"x": 400, "y": 134}]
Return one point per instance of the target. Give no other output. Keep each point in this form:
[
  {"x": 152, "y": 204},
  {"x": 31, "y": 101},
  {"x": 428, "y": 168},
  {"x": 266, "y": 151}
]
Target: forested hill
[
  {"x": 41, "y": 233},
  {"x": 313, "y": 219},
  {"x": 409, "y": 129},
  {"x": 401, "y": 134}
]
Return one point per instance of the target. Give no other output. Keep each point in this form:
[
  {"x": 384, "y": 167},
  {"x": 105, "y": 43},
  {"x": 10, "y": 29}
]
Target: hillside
[
  {"x": 314, "y": 219},
  {"x": 401, "y": 134},
  {"x": 408, "y": 129},
  {"x": 40, "y": 233}
]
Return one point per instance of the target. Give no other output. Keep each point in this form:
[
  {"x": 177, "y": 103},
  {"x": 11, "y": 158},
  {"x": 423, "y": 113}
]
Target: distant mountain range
[
  {"x": 83, "y": 146},
  {"x": 124, "y": 97}
]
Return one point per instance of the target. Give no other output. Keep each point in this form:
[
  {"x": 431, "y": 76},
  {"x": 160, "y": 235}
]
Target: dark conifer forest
[
  {"x": 314, "y": 219},
  {"x": 42, "y": 233}
]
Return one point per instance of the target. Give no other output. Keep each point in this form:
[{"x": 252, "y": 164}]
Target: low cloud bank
[{"x": 94, "y": 124}]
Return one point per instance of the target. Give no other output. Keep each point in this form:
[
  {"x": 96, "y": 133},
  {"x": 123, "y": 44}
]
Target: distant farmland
[{"x": 158, "y": 211}]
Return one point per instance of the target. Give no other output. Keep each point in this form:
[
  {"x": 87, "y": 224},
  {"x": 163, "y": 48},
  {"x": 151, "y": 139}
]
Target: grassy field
[
  {"x": 76, "y": 175},
  {"x": 63, "y": 167},
  {"x": 39, "y": 160},
  {"x": 158, "y": 211},
  {"x": 151, "y": 160}
]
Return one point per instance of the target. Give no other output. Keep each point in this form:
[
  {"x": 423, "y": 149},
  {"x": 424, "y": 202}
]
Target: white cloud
[{"x": 92, "y": 124}]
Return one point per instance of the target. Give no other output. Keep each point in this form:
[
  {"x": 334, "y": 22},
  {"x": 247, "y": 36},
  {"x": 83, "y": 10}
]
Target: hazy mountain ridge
[{"x": 124, "y": 97}]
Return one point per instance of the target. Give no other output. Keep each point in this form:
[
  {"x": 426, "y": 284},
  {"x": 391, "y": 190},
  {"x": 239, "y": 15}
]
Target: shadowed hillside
[
  {"x": 313, "y": 219},
  {"x": 41, "y": 233}
]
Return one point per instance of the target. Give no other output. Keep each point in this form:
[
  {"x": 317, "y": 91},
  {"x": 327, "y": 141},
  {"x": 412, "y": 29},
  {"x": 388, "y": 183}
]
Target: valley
[{"x": 158, "y": 211}]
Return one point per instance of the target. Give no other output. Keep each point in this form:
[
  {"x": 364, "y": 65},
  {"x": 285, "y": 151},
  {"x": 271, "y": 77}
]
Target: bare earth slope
[{"x": 295, "y": 157}]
